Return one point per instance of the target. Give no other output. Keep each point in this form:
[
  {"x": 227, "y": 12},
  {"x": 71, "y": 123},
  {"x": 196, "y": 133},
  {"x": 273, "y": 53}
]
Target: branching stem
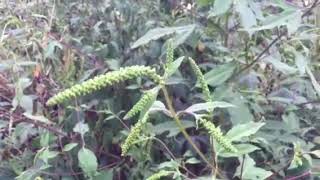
[{"x": 180, "y": 126}]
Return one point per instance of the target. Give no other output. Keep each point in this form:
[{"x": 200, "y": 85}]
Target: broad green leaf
[
  {"x": 171, "y": 127},
  {"x": 242, "y": 149},
  {"x": 159, "y": 106},
  {"x": 250, "y": 171},
  {"x": 81, "y": 128},
  {"x": 247, "y": 17},
  {"x": 173, "y": 67},
  {"x": 283, "y": 67},
  {"x": 44, "y": 139},
  {"x": 243, "y": 130},
  {"x": 193, "y": 160},
  {"x": 87, "y": 162},
  {"x": 316, "y": 153},
  {"x": 221, "y": 7},
  {"x": 45, "y": 155},
  {"x": 292, "y": 121},
  {"x": 104, "y": 175},
  {"x": 202, "y": 3},
  {"x": 208, "y": 106},
  {"x": 27, "y": 175},
  {"x": 37, "y": 118},
  {"x": 219, "y": 75},
  {"x": 278, "y": 20},
  {"x": 69, "y": 146},
  {"x": 157, "y": 33}
]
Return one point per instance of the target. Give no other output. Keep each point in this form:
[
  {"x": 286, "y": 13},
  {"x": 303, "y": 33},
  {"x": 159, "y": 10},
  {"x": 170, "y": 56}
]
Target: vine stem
[{"x": 180, "y": 126}]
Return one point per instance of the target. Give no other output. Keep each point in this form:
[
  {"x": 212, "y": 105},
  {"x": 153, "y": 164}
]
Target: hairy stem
[{"x": 180, "y": 126}]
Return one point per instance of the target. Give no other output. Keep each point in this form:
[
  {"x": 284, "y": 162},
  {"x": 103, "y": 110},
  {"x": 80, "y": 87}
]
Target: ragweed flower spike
[
  {"x": 159, "y": 175},
  {"x": 170, "y": 52},
  {"x": 134, "y": 134},
  {"x": 105, "y": 80},
  {"x": 217, "y": 135},
  {"x": 144, "y": 103},
  {"x": 202, "y": 81}
]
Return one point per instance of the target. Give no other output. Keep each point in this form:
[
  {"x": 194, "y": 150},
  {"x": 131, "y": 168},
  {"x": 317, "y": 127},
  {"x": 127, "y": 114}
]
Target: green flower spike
[
  {"x": 144, "y": 103},
  {"x": 134, "y": 134},
  {"x": 217, "y": 135},
  {"x": 170, "y": 52},
  {"x": 105, "y": 80},
  {"x": 159, "y": 175},
  {"x": 202, "y": 81}
]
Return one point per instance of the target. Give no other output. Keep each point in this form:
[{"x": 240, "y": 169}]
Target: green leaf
[
  {"x": 221, "y": 7},
  {"x": 81, "y": 128},
  {"x": 37, "y": 118},
  {"x": 243, "y": 130},
  {"x": 249, "y": 171},
  {"x": 247, "y": 17},
  {"x": 202, "y": 3},
  {"x": 242, "y": 149},
  {"x": 173, "y": 67},
  {"x": 104, "y": 175},
  {"x": 87, "y": 162},
  {"x": 314, "y": 82},
  {"x": 283, "y": 19},
  {"x": 157, "y": 33},
  {"x": 45, "y": 155},
  {"x": 283, "y": 67},
  {"x": 171, "y": 127},
  {"x": 69, "y": 146},
  {"x": 208, "y": 106},
  {"x": 316, "y": 153},
  {"x": 219, "y": 74},
  {"x": 301, "y": 63}
]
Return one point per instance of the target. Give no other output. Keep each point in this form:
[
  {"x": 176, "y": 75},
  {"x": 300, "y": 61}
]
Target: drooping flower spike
[{"x": 105, "y": 80}]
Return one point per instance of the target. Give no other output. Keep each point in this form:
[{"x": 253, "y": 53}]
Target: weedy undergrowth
[{"x": 148, "y": 98}]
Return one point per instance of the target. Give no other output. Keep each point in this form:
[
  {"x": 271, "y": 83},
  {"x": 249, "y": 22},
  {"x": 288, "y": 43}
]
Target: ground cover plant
[{"x": 166, "y": 89}]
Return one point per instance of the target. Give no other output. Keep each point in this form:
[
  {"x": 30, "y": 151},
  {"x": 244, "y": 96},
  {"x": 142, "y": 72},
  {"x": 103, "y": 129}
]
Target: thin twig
[{"x": 242, "y": 166}]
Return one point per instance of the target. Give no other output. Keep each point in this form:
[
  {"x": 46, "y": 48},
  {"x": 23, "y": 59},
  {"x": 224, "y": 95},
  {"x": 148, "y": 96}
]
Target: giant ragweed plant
[{"x": 148, "y": 98}]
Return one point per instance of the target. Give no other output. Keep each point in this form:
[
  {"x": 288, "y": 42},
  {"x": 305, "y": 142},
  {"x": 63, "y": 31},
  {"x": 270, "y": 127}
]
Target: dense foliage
[{"x": 176, "y": 89}]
